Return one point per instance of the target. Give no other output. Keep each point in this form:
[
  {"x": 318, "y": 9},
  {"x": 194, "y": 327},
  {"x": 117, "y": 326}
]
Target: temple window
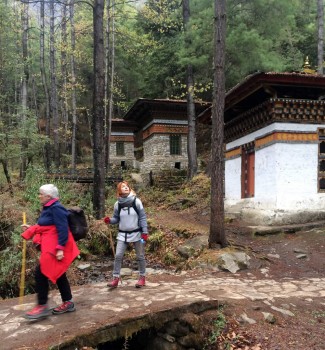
[
  {"x": 120, "y": 151},
  {"x": 175, "y": 144}
]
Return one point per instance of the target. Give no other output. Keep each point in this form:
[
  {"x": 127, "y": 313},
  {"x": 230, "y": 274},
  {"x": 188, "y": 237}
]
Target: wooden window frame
[
  {"x": 175, "y": 144},
  {"x": 120, "y": 148}
]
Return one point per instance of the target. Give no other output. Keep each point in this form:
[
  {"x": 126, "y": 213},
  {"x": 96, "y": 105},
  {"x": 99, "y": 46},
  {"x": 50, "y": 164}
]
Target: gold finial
[{"x": 306, "y": 68}]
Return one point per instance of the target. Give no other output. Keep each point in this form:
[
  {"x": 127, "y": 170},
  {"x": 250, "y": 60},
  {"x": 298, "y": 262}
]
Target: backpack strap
[{"x": 134, "y": 205}]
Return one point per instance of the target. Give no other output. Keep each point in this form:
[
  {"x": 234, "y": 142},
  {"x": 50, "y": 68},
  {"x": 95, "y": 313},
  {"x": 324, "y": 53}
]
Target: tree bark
[
  {"x": 24, "y": 83},
  {"x": 98, "y": 111},
  {"x": 53, "y": 96},
  {"x": 47, "y": 148},
  {"x": 111, "y": 87},
  {"x": 64, "y": 80},
  {"x": 73, "y": 83},
  {"x": 320, "y": 42},
  {"x": 191, "y": 137},
  {"x": 217, "y": 230},
  {"x": 7, "y": 175},
  {"x": 109, "y": 78}
]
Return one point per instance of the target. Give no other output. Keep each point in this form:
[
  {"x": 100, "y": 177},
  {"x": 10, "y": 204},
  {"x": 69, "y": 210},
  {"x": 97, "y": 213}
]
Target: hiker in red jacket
[
  {"x": 58, "y": 250},
  {"x": 129, "y": 214}
]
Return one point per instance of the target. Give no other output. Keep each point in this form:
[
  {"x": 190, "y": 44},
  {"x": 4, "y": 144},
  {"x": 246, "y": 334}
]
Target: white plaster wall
[
  {"x": 297, "y": 177},
  {"x": 286, "y": 188},
  {"x": 233, "y": 179},
  {"x": 266, "y": 170}
]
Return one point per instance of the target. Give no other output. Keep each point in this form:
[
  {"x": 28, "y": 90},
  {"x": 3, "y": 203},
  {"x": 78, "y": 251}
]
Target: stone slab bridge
[{"x": 104, "y": 316}]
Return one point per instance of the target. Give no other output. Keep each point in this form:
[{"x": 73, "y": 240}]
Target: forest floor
[
  {"x": 274, "y": 257},
  {"x": 298, "y": 254}
]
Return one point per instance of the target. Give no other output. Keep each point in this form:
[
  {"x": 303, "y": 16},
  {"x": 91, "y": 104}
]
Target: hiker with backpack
[
  {"x": 131, "y": 217},
  {"x": 58, "y": 249}
]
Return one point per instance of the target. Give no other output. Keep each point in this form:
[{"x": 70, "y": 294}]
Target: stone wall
[
  {"x": 156, "y": 151},
  {"x": 128, "y": 157}
]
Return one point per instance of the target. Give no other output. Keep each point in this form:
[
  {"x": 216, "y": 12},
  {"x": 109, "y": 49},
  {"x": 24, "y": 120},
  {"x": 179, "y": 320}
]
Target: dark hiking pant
[{"x": 42, "y": 287}]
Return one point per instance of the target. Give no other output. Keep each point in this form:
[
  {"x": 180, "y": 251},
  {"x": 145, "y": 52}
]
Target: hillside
[{"x": 177, "y": 217}]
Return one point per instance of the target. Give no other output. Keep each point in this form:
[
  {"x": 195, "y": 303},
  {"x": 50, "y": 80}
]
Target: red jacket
[{"x": 47, "y": 236}]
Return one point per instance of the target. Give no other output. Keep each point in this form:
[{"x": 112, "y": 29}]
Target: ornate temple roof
[{"x": 259, "y": 87}]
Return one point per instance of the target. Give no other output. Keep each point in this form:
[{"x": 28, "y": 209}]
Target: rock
[
  {"x": 268, "y": 317},
  {"x": 162, "y": 344},
  {"x": 265, "y": 271},
  {"x": 176, "y": 329},
  {"x": 276, "y": 256},
  {"x": 234, "y": 262},
  {"x": 301, "y": 256},
  {"x": 282, "y": 311},
  {"x": 83, "y": 267},
  {"x": 298, "y": 250},
  {"x": 192, "y": 321},
  {"x": 191, "y": 340},
  {"x": 126, "y": 271},
  {"x": 137, "y": 178},
  {"x": 188, "y": 249},
  {"x": 167, "y": 337},
  {"x": 247, "y": 319}
]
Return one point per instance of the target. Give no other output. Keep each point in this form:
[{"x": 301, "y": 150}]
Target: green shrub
[
  {"x": 218, "y": 326},
  {"x": 155, "y": 241}
]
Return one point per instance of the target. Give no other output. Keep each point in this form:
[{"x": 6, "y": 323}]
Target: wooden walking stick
[
  {"x": 23, "y": 265},
  {"x": 111, "y": 242}
]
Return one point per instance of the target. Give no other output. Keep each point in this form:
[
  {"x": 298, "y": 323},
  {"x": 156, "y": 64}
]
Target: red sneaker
[
  {"x": 141, "y": 282},
  {"x": 114, "y": 282},
  {"x": 67, "y": 306},
  {"x": 39, "y": 311}
]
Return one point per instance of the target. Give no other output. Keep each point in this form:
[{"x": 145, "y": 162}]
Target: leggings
[
  {"x": 120, "y": 250},
  {"x": 42, "y": 287}
]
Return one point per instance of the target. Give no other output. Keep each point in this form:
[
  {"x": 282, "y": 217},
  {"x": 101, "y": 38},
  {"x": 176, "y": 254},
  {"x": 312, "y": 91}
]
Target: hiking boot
[
  {"x": 39, "y": 311},
  {"x": 114, "y": 282},
  {"x": 67, "y": 306},
  {"x": 141, "y": 282}
]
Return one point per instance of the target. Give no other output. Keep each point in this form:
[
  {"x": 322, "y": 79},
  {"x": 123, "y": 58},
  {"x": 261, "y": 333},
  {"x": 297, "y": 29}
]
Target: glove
[
  {"x": 144, "y": 236},
  {"x": 107, "y": 220}
]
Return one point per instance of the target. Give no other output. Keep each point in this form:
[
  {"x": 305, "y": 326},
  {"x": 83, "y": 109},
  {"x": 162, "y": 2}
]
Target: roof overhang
[
  {"x": 143, "y": 109},
  {"x": 259, "y": 87}
]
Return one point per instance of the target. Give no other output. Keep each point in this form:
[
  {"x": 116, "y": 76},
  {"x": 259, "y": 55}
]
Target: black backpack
[{"x": 77, "y": 223}]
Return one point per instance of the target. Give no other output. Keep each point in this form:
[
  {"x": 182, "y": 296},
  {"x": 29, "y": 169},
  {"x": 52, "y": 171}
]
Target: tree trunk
[
  {"x": 73, "y": 83},
  {"x": 98, "y": 111},
  {"x": 320, "y": 46},
  {"x": 217, "y": 230},
  {"x": 107, "y": 73},
  {"x": 64, "y": 79},
  {"x": 111, "y": 88},
  {"x": 7, "y": 175},
  {"x": 47, "y": 148},
  {"x": 191, "y": 137},
  {"x": 24, "y": 83},
  {"x": 53, "y": 97}
]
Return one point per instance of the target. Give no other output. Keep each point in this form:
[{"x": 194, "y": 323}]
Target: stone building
[
  {"x": 152, "y": 136},
  {"x": 275, "y": 148}
]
